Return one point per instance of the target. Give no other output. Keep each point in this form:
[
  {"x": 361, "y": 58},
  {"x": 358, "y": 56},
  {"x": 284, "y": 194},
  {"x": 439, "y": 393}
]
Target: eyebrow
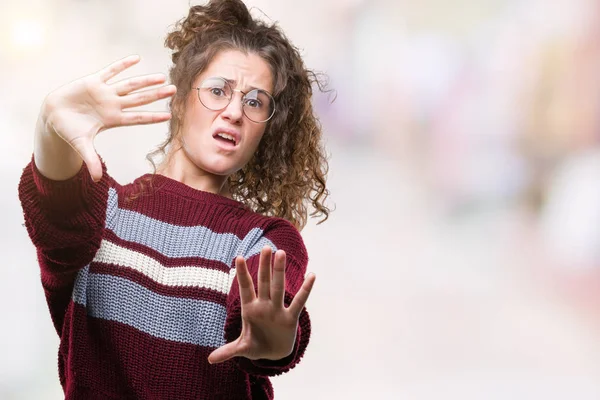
[{"x": 233, "y": 83}]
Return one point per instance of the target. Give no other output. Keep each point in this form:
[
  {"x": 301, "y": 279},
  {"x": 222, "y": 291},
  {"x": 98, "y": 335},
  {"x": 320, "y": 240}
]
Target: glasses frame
[{"x": 226, "y": 82}]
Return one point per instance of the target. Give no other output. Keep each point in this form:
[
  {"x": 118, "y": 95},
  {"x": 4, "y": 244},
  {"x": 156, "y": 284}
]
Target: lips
[{"x": 227, "y": 136}]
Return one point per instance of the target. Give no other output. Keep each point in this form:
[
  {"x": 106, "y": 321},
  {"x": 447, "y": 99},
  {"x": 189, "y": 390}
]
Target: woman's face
[{"x": 201, "y": 142}]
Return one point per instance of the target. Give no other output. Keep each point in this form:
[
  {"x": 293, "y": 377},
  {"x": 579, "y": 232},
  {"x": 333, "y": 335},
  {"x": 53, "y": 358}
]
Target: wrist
[
  {"x": 53, "y": 156},
  {"x": 274, "y": 357},
  {"x": 45, "y": 128}
]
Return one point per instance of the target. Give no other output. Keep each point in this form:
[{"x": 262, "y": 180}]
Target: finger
[
  {"x": 264, "y": 274},
  {"x": 129, "y": 85},
  {"x": 117, "y": 67},
  {"x": 278, "y": 281},
  {"x": 143, "y": 117},
  {"x": 244, "y": 281},
  {"x": 224, "y": 353},
  {"x": 147, "y": 96},
  {"x": 302, "y": 296},
  {"x": 85, "y": 148}
]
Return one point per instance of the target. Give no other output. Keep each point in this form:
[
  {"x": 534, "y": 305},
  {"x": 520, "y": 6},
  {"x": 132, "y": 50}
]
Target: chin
[
  {"x": 213, "y": 164},
  {"x": 219, "y": 168}
]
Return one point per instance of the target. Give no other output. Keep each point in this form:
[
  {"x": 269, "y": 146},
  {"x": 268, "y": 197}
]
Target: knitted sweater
[{"x": 142, "y": 289}]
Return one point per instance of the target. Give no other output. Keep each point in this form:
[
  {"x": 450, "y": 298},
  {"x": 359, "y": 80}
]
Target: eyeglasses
[{"x": 216, "y": 93}]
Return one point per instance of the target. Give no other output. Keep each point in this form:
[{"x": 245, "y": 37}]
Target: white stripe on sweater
[{"x": 195, "y": 276}]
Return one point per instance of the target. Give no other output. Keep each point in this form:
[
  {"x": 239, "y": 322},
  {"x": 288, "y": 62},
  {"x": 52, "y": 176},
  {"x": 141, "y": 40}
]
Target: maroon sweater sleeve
[
  {"x": 285, "y": 237},
  {"x": 64, "y": 220}
]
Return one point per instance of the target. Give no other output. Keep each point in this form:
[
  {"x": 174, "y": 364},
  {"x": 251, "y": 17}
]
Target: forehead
[{"x": 246, "y": 70}]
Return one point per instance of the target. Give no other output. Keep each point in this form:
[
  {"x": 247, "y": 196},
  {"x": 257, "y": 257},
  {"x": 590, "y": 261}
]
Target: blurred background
[{"x": 463, "y": 258}]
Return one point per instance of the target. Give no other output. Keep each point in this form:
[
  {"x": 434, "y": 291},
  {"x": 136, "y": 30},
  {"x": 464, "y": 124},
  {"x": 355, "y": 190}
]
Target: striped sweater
[{"x": 141, "y": 289}]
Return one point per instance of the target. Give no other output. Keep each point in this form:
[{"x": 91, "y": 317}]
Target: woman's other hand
[{"x": 268, "y": 327}]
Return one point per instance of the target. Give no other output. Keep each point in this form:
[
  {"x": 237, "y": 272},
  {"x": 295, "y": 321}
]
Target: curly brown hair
[{"x": 287, "y": 172}]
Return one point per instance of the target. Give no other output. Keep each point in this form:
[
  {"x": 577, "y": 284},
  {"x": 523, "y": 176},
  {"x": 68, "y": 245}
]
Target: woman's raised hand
[
  {"x": 78, "y": 111},
  {"x": 268, "y": 327}
]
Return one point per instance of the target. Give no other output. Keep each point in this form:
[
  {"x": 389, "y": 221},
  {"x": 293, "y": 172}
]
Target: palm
[
  {"x": 86, "y": 110},
  {"x": 268, "y": 327},
  {"x": 267, "y": 331}
]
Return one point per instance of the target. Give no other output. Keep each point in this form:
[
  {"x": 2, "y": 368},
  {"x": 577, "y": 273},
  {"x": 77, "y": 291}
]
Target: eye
[
  {"x": 217, "y": 92},
  {"x": 253, "y": 103}
]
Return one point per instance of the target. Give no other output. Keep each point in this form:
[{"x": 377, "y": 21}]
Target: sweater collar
[{"x": 162, "y": 182}]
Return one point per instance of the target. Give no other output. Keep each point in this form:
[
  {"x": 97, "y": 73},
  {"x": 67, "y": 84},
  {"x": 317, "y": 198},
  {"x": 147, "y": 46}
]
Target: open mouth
[{"x": 225, "y": 138}]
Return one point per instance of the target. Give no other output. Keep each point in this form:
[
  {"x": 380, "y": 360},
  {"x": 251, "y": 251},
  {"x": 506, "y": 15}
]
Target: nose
[{"x": 233, "y": 112}]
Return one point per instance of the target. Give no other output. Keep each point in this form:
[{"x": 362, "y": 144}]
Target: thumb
[
  {"x": 224, "y": 353},
  {"x": 84, "y": 146}
]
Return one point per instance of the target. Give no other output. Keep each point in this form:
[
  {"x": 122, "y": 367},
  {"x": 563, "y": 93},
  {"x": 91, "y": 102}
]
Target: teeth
[{"x": 226, "y": 136}]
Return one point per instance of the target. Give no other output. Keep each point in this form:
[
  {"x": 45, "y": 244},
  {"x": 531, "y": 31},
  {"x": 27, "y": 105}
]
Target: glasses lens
[
  {"x": 259, "y": 105},
  {"x": 215, "y": 93}
]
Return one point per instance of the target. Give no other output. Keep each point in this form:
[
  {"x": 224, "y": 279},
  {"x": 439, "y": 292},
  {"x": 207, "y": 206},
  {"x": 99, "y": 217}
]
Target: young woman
[{"x": 168, "y": 287}]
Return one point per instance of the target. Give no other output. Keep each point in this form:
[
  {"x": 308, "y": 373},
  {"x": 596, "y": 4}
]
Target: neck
[{"x": 178, "y": 166}]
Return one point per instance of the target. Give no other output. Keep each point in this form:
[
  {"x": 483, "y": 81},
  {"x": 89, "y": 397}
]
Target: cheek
[
  {"x": 198, "y": 121},
  {"x": 255, "y": 138}
]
